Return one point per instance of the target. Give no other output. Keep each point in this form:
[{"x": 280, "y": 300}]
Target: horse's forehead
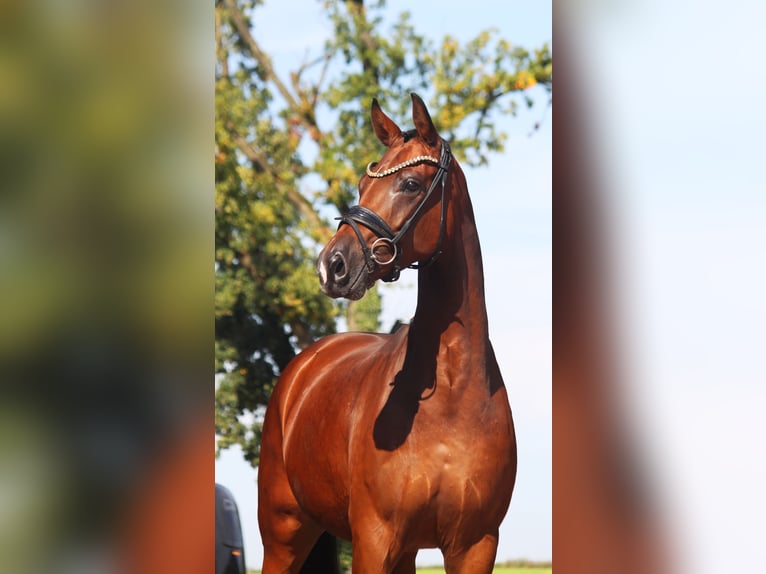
[
  {"x": 404, "y": 148},
  {"x": 394, "y": 156},
  {"x": 401, "y": 151}
]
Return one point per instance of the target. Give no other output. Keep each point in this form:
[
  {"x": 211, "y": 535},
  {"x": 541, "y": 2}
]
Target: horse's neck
[{"x": 450, "y": 321}]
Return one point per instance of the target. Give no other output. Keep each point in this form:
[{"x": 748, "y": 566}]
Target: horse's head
[{"x": 400, "y": 219}]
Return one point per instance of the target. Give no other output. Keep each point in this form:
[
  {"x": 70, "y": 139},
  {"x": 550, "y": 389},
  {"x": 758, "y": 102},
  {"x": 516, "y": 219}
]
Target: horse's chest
[{"x": 442, "y": 473}]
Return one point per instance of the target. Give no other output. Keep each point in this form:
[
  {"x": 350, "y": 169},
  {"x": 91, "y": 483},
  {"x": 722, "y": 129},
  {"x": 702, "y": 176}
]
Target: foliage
[
  {"x": 345, "y": 552},
  {"x": 364, "y": 314},
  {"x": 270, "y": 223}
]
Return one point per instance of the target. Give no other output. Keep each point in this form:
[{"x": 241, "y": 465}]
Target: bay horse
[{"x": 398, "y": 441}]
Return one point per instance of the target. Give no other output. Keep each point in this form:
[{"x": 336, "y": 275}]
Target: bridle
[{"x": 359, "y": 214}]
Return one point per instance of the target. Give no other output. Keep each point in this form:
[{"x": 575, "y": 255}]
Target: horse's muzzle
[{"x": 342, "y": 273}]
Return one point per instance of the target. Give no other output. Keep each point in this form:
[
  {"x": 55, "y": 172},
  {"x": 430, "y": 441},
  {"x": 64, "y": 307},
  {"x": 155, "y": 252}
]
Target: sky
[{"x": 512, "y": 203}]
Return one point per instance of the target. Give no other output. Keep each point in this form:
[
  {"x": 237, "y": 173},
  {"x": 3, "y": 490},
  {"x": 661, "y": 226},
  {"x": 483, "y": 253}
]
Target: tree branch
[
  {"x": 244, "y": 32},
  {"x": 223, "y": 56},
  {"x": 369, "y": 45},
  {"x": 484, "y": 110},
  {"x": 305, "y": 114},
  {"x": 303, "y": 205}
]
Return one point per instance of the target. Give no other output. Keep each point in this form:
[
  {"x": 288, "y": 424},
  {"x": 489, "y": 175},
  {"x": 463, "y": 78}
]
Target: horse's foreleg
[
  {"x": 288, "y": 537},
  {"x": 369, "y": 557},
  {"x": 476, "y": 559},
  {"x": 287, "y": 533},
  {"x": 406, "y": 564},
  {"x": 376, "y": 550}
]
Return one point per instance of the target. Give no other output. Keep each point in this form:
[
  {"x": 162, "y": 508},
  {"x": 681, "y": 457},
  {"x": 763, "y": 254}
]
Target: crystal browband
[{"x": 408, "y": 163}]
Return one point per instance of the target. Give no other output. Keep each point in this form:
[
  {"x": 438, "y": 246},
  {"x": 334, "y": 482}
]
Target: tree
[{"x": 269, "y": 225}]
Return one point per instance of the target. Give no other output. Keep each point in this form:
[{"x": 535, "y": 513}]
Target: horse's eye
[{"x": 411, "y": 186}]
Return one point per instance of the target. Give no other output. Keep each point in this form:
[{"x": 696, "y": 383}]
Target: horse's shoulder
[
  {"x": 341, "y": 346},
  {"x": 341, "y": 350},
  {"x": 326, "y": 366}
]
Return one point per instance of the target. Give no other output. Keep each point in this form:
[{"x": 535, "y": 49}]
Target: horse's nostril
[{"x": 338, "y": 267}]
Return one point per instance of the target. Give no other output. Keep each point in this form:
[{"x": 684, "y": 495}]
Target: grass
[{"x": 498, "y": 570}]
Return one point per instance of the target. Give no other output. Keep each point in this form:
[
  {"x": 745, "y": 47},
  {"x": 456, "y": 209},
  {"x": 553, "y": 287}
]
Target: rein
[{"x": 359, "y": 214}]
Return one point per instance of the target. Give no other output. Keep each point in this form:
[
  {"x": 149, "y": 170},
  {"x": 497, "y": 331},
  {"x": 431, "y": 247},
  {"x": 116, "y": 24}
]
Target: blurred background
[
  {"x": 658, "y": 281},
  {"x": 107, "y": 133},
  {"x": 106, "y": 240}
]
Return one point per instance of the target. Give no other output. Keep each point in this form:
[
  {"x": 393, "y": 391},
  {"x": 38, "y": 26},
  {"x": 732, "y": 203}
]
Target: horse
[{"x": 405, "y": 440}]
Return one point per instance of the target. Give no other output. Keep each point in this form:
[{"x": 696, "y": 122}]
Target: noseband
[{"x": 359, "y": 214}]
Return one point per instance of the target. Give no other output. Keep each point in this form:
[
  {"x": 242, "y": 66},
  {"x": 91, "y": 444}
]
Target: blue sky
[{"x": 512, "y": 201}]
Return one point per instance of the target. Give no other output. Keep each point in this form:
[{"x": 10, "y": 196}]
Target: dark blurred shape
[
  {"x": 323, "y": 558},
  {"x": 106, "y": 235},
  {"x": 604, "y": 518},
  {"x": 229, "y": 546}
]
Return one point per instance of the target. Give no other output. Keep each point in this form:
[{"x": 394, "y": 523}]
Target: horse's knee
[
  {"x": 287, "y": 540},
  {"x": 286, "y": 532},
  {"x": 279, "y": 525}
]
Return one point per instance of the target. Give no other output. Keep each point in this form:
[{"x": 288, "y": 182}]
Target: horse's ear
[
  {"x": 385, "y": 128},
  {"x": 422, "y": 120}
]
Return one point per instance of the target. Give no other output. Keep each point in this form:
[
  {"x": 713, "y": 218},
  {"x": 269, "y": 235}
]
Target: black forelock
[{"x": 409, "y": 134}]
